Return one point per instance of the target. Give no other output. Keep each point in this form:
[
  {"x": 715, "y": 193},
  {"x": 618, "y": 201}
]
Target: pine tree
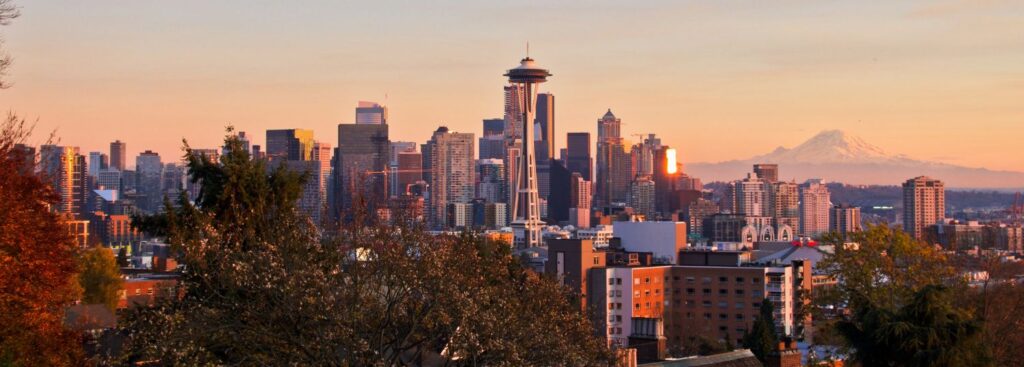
[
  {"x": 762, "y": 339},
  {"x": 100, "y": 278}
]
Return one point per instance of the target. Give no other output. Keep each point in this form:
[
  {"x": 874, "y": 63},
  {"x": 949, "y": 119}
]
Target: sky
[{"x": 717, "y": 80}]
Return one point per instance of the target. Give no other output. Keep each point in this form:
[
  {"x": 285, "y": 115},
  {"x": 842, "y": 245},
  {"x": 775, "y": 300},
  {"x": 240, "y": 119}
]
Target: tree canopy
[
  {"x": 262, "y": 287},
  {"x": 37, "y": 261},
  {"x": 100, "y": 277},
  {"x": 762, "y": 339}
]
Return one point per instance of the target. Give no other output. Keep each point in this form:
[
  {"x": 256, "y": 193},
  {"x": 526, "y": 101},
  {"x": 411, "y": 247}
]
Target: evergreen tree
[{"x": 762, "y": 339}]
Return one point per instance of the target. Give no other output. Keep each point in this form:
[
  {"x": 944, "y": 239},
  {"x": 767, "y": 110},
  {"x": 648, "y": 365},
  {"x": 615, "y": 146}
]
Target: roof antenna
[{"x": 527, "y": 49}]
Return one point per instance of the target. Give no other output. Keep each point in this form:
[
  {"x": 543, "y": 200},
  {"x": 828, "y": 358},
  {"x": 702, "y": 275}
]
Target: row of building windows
[{"x": 705, "y": 280}]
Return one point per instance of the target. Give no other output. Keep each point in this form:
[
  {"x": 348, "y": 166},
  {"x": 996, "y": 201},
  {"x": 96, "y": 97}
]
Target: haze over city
[{"x": 936, "y": 81}]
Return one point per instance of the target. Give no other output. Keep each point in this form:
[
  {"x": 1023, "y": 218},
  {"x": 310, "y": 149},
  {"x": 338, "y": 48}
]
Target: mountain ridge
[{"x": 837, "y": 156}]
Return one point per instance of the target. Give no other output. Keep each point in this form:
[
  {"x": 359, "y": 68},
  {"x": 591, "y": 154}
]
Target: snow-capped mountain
[{"x": 837, "y": 156}]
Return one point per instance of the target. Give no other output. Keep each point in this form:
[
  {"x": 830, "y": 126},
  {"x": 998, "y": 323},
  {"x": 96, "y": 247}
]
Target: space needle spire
[{"x": 526, "y": 222}]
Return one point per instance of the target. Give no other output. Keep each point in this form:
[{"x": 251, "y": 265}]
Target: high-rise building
[
  {"x": 453, "y": 173},
  {"x": 395, "y": 187},
  {"x": 360, "y": 167},
  {"x": 513, "y": 112},
  {"x": 371, "y": 113},
  {"x": 751, "y": 196},
  {"x": 560, "y": 200},
  {"x": 97, "y": 163},
  {"x": 323, "y": 156},
  {"x": 697, "y": 212},
  {"x": 149, "y": 171},
  {"x": 665, "y": 173},
  {"x": 526, "y": 206},
  {"x": 68, "y": 173},
  {"x": 410, "y": 171},
  {"x": 109, "y": 179},
  {"x": 613, "y": 163},
  {"x": 491, "y": 181},
  {"x": 815, "y": 206},
  {"x": 580, "y": 196},
  {"x": 845, "y": 219},
  {"x": 289, "y": 144},
  {"x": 784, "y": 204},
  {"x": 642, "y": 197},
  {"x": 173, "y": 181},
  {"x": 118, "y": 155},
  {"x": 244, "y": 139},
  {"x": 312, "y": 198},
  {"x": 577, "y": 154},
  {"x": 492, "y": 142},
  {"x": 924, "y": 204},
  {"x": 545, "y": 123},
  {"x": 767, "y": 172}
]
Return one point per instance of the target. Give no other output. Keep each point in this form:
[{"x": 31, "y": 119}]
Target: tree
[
  {"x": 122, "y": 257},
  {"x": 891, "y": 304},
  {"x": 37, "y": 261},
  {"x": 100, "y": 278},
  {"x": 927, "y": 331},
  {"x": 762, "y": 339},
  {"x": 7, "y": 12},
  {"x": 261, "y": 287}
]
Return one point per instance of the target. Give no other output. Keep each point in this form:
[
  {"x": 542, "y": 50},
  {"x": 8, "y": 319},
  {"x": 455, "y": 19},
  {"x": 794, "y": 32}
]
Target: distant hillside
[
  {"x": 879, "y": 195},
  {"x": 838, "y": 157}
]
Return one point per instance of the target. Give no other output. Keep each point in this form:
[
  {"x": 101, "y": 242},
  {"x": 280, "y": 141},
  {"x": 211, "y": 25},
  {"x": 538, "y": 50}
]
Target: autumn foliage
[{"x": 37, "y": 262}]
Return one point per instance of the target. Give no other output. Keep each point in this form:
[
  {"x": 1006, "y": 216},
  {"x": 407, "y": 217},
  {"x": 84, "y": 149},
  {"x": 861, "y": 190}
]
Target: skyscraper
[
  {"x": 815, "y": 205},
  {"x": 580, "y": 196},
  {"x": 665, "y": 173},
  {"x": 784, "y": 204},
  {"x": 642, "y": 198},
  {"x": 845, "y": 219},
  {"x": 97, "y": 163},
  {"x": 361, "y": 163},
  {"x": 924, "y": 204},
  {"x": 149, "y": 171},
  {"x": 491, "y": 181},
  {"x": 513, "y": 112},
  {"x": 751, "y": 197},
  {"x": 526, "y": 207},
  {"x": 613, "y": 163},
  {"x": 545, "y": 122},
  {"x": 68, "y": 174},
  {"x": 767, "y": 172},
  {"x": 371, "y": 113},
  {"x": 118, "y": 155},
  {"x": 492, "y": 142},
  {"x": 289, "y": 144},
  {"x": 561, "y": 190},
  {"x": 577, "y": 154},
  {"x": 410, "y": 171},
  {"x": 453, "y": 173}
]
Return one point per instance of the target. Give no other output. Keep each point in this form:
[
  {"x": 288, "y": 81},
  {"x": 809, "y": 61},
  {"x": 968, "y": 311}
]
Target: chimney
[{"x": 787, "y": 355}]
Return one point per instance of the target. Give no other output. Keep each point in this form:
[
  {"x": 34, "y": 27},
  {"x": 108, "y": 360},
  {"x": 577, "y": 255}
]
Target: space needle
[{"x": 526, "y": 222}]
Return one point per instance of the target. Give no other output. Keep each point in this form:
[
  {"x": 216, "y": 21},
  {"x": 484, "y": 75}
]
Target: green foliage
[
  {"x": 927, "y": 331},
  {"x": 100, "y": 277},
  {"x": 762, "y": 339},
  {"x": 122, "y": 257},
  {"x": 896, "y": 292},
  {"x": 262, "y": 288}
]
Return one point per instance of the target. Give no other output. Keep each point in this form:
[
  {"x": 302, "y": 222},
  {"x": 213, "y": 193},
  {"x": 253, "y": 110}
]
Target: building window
[
  {"x": 706, "y": 280},
  {"x": 636, "y": 281},
  {"x": 722, "y": 328},
  {"x": 690, "y": 291},
  {"x": 618, "y": 281},
  {"x": 756, "y": 280},
  {"x": 647, "y": 280},
  {"x": 637, "y": 306},
  {"x": 723, "y": 304},
  {"x": 647, "y": 305},
  {"x": 723, "y": 279},
  {"x": 707, "y": 291},
  {"x": 647, "y": 293},
  {"x": 689, "y": 315},
  {"x": 690, "y": 279},
  {"x": 596, "y": 262},
  {"x": 636, "y": 294},
  {"x": 723, "y": 292},
  {"x": 618, "y": 318},
  {"x": 707, "y": 303},
  {"x": 707, "y": 316},
  {"x": 739, "y": 304},
  {"x": 739, "y": 316},
  {"x": 739, "y": 280},
  {"x": 723, "y": 316},
  {"x": 611, "y": 305},
  {"x": 739, "y": 292},
  {"x": 618, "y": 306},
  {"x": 756, "y": 305},
  {"x": 611, "y": 281}
]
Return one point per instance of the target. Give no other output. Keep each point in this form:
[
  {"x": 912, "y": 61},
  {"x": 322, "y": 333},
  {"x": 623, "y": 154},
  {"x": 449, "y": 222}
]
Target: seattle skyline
[{"x": 915, "y": 74}]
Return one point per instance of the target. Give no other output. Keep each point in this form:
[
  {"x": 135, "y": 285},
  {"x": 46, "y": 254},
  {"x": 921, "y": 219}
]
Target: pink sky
[{"x": 933, "y": 80}]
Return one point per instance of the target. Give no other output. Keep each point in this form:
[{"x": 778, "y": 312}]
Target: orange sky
[{"x": 934, "y": 80}]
